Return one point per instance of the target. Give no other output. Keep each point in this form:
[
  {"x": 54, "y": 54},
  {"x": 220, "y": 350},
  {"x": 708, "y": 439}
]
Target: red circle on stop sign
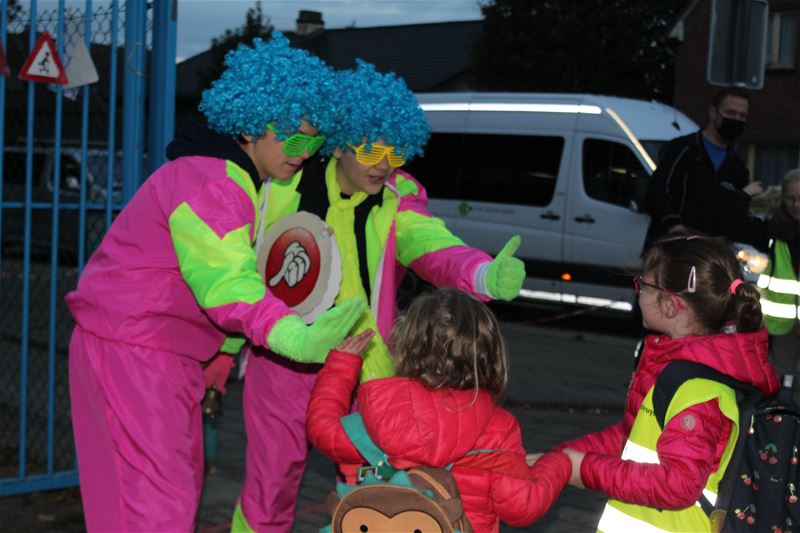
[{"x": 293, "y": 295}]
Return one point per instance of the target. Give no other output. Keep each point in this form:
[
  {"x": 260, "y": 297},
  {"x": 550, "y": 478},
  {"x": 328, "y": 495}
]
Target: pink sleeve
[
  {"x": 688, "y": 450},
  {"x": 430, "y": 249},
  {"x": 212, "y": 235},
  {"x": 608, "y": 441},
  {"x": 452, "y": 267}
]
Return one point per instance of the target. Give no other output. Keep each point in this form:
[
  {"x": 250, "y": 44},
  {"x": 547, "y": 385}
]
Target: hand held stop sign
[{"x": 300, "y": 263}]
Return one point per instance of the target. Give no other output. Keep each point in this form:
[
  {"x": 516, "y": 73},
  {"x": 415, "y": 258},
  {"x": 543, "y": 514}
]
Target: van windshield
[{"x": 654, "y": 148}]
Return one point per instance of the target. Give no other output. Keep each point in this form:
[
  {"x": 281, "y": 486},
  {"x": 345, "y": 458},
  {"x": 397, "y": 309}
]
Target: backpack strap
[
  {"x": 379, "y": 465},
  {"x": 670, "y": 380},
  {"x": 353, "y": 425},
  {"x": 677, "y": 373}
]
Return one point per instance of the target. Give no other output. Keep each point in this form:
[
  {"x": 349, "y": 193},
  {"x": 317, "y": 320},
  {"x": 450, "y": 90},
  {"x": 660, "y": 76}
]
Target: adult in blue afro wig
[
  {"x": 371, "y": 106},
  {"x": 270, "y": 82}
]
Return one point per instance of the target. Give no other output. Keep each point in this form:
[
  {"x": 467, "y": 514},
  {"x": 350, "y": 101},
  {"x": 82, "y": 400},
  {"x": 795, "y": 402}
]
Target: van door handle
[
  {"x": 588, "y": 219},
  {"x": 549, "y": 215}
]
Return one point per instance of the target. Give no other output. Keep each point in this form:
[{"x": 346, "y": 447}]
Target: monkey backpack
[{"x": 386, "y": 500}]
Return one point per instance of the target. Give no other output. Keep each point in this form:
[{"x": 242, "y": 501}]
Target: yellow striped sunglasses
[{"x": 376, "y": 153}]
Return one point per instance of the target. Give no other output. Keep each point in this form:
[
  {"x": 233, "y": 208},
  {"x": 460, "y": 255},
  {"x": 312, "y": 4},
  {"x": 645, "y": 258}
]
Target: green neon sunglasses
[{"x": 298, "y": 143}]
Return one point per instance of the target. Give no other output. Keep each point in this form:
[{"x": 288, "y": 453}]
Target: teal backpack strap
[{"x": 354, "y": 427}]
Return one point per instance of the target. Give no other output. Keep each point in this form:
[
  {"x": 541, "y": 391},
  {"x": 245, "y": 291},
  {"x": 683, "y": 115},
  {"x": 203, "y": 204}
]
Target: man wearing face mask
[{"x": 701, "y": 183}]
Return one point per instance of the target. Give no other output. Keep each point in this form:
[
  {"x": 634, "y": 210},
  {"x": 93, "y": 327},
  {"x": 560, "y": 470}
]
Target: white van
[{"x": 568, "y": 172}]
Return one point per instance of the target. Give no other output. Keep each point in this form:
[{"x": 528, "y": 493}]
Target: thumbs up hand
[{"x": 506, "y": 273}]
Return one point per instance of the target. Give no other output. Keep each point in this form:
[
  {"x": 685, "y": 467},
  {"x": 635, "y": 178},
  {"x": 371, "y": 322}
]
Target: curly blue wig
[
  {"x": 377, "y": 106},
  {"x": 270, "y": 82}
]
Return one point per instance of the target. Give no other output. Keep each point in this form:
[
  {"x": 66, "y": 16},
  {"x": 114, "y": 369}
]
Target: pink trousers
[
  {"x": 276, "y": 396},
  {"x": 138, "y": 433}
]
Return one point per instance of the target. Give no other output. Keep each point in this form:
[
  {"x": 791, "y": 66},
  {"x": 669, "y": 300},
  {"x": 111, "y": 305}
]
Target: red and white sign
[
  {"x": 3, "y": 62},
  {"x": 300, "y": 263},
  {"x": 44, "y": 64}
]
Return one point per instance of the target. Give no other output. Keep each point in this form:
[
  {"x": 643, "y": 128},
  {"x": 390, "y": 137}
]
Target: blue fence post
[
  {"x": 161, "y": 119},
  {"x": 133, "y": 97},
  {"x": 26, "y": 263}
]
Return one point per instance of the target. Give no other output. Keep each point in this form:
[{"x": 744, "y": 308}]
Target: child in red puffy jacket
[
  {"x": 452, "y": 371},
  {"x": 692, "y": 293}
]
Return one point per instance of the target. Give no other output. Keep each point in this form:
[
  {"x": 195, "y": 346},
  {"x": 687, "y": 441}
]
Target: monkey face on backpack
[{"x": 399, "y": 506}]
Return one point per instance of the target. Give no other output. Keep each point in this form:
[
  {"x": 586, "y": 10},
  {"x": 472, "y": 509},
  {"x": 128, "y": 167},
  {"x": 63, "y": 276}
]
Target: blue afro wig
[
  {"x": 373, "y": 106},
  {"x": 270, "y": 82}
]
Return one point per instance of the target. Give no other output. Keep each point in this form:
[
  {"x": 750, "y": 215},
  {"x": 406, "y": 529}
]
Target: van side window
[
  {"x": 438, "y": 169},
  {"x": 513, "y": 169},
  {"x": 611, "y": 172}
]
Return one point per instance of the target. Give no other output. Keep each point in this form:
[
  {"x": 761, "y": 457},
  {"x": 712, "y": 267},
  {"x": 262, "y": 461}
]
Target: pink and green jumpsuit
[
  {"x": 174, "y": 274},
  {"x": 400, "y": 233}
]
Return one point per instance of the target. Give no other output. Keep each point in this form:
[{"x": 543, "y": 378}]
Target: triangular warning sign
[
  {"x": 44, "y": 64},
  {"x": 3, "y": 62}
]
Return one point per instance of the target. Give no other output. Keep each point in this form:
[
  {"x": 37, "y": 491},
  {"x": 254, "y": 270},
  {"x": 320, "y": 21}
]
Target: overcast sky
[{"x": 201, "y": 20}]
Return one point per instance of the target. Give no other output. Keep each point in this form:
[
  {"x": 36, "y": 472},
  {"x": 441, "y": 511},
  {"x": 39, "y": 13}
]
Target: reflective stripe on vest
[
  {"x": 779, "y": 290},
  {"x": 616, "y": 520},
  {"x": 775, "y": 284},
  {"x": 640, "y": 454},
  {"x": 641, "y": 447},
  {"x": 787, "y": 311}
]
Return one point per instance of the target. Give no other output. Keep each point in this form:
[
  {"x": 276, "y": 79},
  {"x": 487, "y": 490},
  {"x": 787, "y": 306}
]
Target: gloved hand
[
  {"x": 292, "y": 338},
  {"x": 217, "y": 371},
  {"x": 506, "y": 273}
]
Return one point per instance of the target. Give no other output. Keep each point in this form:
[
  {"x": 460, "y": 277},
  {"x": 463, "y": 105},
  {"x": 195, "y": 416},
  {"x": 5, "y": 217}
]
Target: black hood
[{"x": 195, "y": 139}]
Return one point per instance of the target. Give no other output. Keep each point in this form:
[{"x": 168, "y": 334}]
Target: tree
[
  {"x": 617, "y": 47},
  {"x": 255, "y": 25}
]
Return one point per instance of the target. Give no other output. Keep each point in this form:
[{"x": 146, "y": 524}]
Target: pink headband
[{"x": 735, "y": 285}]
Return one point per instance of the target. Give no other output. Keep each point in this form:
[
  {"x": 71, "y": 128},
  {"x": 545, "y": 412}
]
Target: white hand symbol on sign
[{"x": 296, "y": 264}]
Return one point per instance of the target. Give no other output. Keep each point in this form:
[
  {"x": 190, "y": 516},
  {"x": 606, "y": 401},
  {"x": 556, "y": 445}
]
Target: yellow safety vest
[
  {"x": 621, "y": 517},
  {"x": 779, "y": 291}
]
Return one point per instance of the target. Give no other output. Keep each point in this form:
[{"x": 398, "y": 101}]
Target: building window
[
  {"x": 772, "y": 162},
  {"x": 781, "y": 40}
]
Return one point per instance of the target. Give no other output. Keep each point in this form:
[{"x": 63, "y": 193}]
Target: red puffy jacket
[
  {"x": 415, "y": 425},
  {"x": 693, "y": 441}
]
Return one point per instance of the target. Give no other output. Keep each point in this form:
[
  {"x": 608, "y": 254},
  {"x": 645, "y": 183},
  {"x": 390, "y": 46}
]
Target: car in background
[{"x": 43, "y": 169}]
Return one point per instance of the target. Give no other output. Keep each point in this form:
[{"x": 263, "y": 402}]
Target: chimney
[{"x": 308, "y": 22}]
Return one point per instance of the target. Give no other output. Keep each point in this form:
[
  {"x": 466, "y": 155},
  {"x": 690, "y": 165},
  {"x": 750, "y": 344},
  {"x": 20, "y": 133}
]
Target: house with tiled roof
[{"x": 429, "y": 57}]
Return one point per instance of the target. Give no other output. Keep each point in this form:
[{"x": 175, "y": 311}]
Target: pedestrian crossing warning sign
[
  {"x": 44, "y": 64},
  {"x": 3, "y": 62}
]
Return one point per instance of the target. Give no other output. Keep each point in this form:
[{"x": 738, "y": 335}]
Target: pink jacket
[
  {"x": 414, "y": 426},
  {"x": 687, "y": 457},
  {"x": 184, "y": 240}
]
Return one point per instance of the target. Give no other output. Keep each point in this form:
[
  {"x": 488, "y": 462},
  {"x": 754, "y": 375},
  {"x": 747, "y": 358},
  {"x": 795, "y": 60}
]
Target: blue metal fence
[{"x": 62, "y": 180}]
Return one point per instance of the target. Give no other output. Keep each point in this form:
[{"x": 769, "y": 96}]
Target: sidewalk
[{"x": 563, "y": 384}]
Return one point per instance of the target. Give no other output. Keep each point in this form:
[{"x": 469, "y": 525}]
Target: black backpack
[{"x": 761, "y": 486}]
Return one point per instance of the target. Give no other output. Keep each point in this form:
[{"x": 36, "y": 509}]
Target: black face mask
[{"x": 730, "y": 128}]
